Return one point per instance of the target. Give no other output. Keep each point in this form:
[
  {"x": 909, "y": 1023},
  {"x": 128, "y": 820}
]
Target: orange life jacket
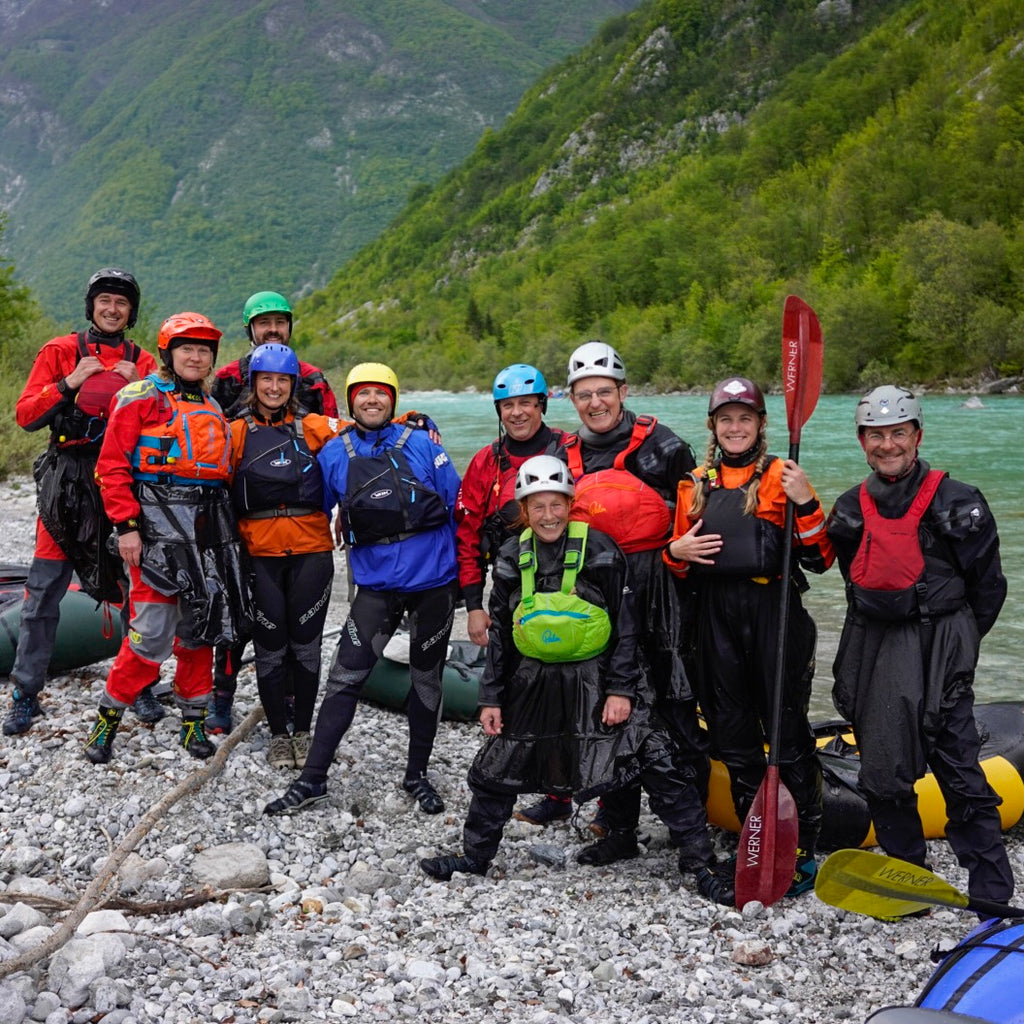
[
  {"x": 618, "y": 502},
  {"x": 192, "y": 446}
]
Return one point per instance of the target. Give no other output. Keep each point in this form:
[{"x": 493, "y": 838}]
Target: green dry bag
[{"x": 558, "y": 626}]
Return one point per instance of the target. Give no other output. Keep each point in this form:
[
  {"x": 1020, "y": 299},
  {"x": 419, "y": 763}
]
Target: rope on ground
[{"x": 92, "y": 897}]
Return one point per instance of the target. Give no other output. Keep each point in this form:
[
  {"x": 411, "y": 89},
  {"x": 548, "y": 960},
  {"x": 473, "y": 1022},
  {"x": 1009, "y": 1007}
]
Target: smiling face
[
  {"x": 270, "y": 327},
  {"x": 191, "y": 360},
  {"x": 891, "y": 451},
  {"x": 110, "y": 312},
  {"x": 598, "y": 402},
  {"x": 521, "y": 416},
  {"x": 547, "y": 514},
  {"x": 372, "y": 406},
  {"x": 737, "y": 427},
  {"x": 272, "y": 391}
]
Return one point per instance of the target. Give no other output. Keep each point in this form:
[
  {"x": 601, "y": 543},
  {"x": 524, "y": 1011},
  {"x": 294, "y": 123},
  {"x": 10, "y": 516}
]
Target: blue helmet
[
  {"x": 273, "y": 358},
  {"x": 521, "y": 379}
]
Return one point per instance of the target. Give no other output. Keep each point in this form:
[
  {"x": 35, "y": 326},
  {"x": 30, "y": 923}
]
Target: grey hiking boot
[
  {"x": 280, "y": 753},
  {"x": 24, "y": 708},
  {"x": 193, "y": 735},
  {"x": 99, "y": 745}
]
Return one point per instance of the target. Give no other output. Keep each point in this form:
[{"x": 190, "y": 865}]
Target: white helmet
[
  {"x": 543, "y": 473},
  {"x": 595, "y": 359},
  {"x": 886, "y": 406}
]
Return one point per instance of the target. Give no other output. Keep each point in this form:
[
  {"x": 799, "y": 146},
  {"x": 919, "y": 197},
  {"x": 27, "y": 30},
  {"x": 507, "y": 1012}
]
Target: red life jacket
[
  {"x": 890, "y": 576},
  {"x": 618, "y": 502},
  {"x": 192, "y": 446}
]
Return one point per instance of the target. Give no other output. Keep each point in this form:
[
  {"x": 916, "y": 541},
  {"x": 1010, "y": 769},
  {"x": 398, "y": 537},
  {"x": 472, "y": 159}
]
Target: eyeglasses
[
  {"x": 604, "y": 394},
  {"x": 900, "y": 436}
]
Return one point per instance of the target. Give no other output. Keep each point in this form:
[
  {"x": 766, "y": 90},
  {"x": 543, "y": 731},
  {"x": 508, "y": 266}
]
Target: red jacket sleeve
[
  {"x": 472, "y": 508},
  {"x": 138, "y": 406},
  {"x": 40, "y": 398}
]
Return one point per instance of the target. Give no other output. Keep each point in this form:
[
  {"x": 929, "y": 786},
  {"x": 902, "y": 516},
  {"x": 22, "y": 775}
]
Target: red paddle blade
[
  {"x": 766, "y": 857},
  {"x": 802, "y": 355}
]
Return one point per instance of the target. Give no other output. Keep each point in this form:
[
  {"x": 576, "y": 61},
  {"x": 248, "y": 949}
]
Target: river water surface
[{"x": 982, "y": 446}]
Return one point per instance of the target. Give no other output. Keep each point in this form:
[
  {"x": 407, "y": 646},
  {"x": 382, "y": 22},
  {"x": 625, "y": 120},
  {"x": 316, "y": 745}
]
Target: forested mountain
[
  {"x": 665, "y": 187},
  {"x": 220, "y": 146}
]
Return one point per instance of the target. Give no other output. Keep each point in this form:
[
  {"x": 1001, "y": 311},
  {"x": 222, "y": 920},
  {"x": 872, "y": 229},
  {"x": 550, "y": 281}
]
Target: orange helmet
[{"x": 182, "y": 327}]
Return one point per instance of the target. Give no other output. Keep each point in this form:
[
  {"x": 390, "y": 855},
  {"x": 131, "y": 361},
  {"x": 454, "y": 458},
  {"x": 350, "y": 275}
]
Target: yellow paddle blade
[{"x": 883, "y": 887}]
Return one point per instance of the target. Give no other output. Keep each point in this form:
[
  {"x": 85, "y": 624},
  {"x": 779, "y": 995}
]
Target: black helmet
[{"x": 117, "y": 282}]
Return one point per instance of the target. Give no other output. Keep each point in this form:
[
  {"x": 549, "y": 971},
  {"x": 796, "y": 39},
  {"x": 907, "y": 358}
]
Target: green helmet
[{"x": 264, "y": 302}]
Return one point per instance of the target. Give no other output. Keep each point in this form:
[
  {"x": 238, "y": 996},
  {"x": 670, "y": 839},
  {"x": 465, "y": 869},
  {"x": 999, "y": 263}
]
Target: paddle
[
  {"x": 889, "y": 888},
  {"x": 766, "y": 856}
]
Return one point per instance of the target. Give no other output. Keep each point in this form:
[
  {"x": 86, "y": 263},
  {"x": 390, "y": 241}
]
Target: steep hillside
[
  {"x": 668, "y": 185},
  {"x": 216, "y": 148}
]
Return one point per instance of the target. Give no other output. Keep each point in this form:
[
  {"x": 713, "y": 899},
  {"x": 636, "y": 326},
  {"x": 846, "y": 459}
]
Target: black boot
[
  {"x": 147, "y": 707},
  {"x": 193, "y": 735},
  {"x": 619, "y": 844},
  {"x": 99, "y": 746}
]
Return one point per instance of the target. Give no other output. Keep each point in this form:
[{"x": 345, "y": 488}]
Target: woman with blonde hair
[{"x": 728, "y": 540}]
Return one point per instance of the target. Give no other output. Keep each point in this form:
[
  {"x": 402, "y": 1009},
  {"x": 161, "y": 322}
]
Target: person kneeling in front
[{"x": 565, "y": 705}]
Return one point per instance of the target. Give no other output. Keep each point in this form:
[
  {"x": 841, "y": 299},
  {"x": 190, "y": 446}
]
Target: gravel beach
[{"x": 325, "y": 915}]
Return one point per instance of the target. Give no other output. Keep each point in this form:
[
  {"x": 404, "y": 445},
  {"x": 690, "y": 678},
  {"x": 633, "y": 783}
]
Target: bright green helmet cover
[
  {"x": 264, "y": 302},
  {"x": 559, "y": 626}
]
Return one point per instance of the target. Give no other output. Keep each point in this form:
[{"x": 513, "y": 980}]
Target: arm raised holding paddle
[{"x": 736, "y": 519}]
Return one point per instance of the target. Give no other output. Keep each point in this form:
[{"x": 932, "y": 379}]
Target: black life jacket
[
  {"x": 278, "y": 475},
  {"x": 500, "y": 522},
  {"x": 891, "y": 576},
  {"x": 384, "y": 500},
  {"x": 751, "y": 546},
  {"x": 81, "y": 424}
]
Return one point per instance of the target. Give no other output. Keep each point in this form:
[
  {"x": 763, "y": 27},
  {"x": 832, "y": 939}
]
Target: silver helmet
[
  {"x": 543, "y": 473},
  {"x": 886, "y": 406}
]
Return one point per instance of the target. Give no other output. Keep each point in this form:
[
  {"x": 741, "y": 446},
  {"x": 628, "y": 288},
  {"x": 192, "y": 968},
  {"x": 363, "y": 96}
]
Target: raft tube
[
  {"x": 87, "y": 632},
  {"x": 979, "y": 980},
  {"x": 846, "y": 822},
  {"x": 388, "y": 685}
]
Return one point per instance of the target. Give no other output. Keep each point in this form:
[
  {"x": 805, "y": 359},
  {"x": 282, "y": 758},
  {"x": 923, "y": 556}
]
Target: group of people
[{"x": 632, "y": 589}]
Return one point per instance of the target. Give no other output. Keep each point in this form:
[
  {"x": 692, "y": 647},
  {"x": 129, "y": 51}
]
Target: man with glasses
[
  {"x": 627, "y": 468},
  {"x": 920, "y": 554}
]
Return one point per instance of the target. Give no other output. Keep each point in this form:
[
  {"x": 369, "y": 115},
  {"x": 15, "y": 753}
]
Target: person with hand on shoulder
[
  {"x": 564, "y": 701},
  {"x": 728, "y": 538},
  {"x": 920, "y": 554},
  {"x": 162, "y": 474},
  {"x": 396, "y": 490},
  {"x": 69, "y": 391}
]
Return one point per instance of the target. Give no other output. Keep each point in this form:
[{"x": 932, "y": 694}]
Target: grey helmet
[
  {"x": 595, "y": 359},
  {"x": 886, "y": 406},
  {"x": 543, "y": 473}
]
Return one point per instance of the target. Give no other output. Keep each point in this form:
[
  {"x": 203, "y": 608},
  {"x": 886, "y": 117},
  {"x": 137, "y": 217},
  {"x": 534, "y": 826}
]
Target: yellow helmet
[{"x": 371, "y": 373}]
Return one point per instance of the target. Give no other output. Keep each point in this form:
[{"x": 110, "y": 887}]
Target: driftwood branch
[{"x": 93, "y": 895}]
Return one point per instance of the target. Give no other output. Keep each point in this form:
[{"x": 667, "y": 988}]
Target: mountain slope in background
[
  {"x": 668, "y": 185},
  {"x": 219, "y": 148}
]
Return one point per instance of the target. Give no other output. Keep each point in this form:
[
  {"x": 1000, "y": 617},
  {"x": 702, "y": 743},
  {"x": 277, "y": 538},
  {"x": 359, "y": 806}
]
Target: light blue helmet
[
  {"x": 273, "y": 358},
  {"x": 521, "y": 379}
]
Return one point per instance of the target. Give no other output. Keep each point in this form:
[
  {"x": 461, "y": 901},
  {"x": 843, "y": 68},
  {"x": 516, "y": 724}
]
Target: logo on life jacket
[
  {"x": 281, "y": 461},
  {"x": 558, "y": 626},
  {"x": 383, "y": 493}
]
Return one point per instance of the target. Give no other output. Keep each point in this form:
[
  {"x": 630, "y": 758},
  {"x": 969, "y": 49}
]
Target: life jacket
[
  {"x": 500, "y": 522},
  {"x": 618, "y": 502},
  {"x": 84, "y": 422},
  {"x": 384, "y": 500},
  {"x": 278, "y": 475},
  {"x": 193, "y": 445},
  {"x": 891, "y": 577},
  {"x": 558, "y": 626},
  {"x": 751, "y": 546}
]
